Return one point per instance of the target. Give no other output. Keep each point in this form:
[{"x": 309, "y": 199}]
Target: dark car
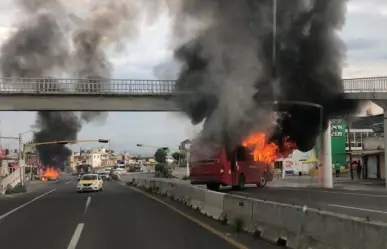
[{"x": 105, "y": 176}]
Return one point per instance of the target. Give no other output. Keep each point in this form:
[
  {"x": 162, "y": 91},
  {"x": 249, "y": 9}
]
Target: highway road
[
  {"x": 364, "y": 204},
  {"x": 119, "y": 217}
]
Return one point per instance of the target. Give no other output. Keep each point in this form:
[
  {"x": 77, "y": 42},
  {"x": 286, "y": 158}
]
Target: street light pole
[
  {"x": 1, "y": 145},
  {"x": 274, "y": 52},
  {"x": 349, "y": 145},
  {"x": 20, "y": 160}
]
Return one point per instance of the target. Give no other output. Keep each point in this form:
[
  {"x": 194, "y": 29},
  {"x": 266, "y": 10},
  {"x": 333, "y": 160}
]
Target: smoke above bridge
[
  {"x": 41, "y": 48},
  {"x": 228, "y": 79}
]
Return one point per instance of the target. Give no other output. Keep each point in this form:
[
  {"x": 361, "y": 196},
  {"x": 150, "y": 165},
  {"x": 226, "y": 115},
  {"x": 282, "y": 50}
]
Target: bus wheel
[
  {"x": 213, "y": 186},
  {"x": 262, "y": 182}
]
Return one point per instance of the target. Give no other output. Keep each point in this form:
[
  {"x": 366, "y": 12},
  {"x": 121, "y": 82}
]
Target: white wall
[
  {"x": 373, "y": 143},
  {"x": 94, "y": 160}
]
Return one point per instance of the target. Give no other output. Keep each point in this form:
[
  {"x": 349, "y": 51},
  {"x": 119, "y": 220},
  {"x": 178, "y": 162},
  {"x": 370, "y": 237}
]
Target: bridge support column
[{"x": 326, "y": 158}]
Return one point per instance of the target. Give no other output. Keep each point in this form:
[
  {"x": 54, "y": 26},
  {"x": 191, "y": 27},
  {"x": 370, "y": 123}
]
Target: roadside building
[
  {"x": 367, "y": 145},
  {"x": 363, "y": 142}
]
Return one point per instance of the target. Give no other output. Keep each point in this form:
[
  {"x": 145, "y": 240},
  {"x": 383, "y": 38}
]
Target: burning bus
[{"x": 251, "y": 162}]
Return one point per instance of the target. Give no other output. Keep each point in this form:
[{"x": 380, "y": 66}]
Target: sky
[{"x": 366, "y": 57}]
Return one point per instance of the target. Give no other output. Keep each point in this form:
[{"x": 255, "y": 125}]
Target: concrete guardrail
[{"x": 300, "y": 227}]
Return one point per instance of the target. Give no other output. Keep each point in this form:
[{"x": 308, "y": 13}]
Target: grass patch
[{"x": 15, "y": 190}]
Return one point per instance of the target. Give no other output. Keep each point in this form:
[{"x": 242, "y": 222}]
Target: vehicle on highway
[
  {"x": 50, "y": 174},
  {"x": 83, "y": 169},
  {"x": 107, "y": 169},
  {"x": 214, "y": 166},
  {"x": 119, "y": 167},
  {"x": 119, "y": 171},
  {"x": 90, "y": 182},
  {"x": 104, "y": 175}
]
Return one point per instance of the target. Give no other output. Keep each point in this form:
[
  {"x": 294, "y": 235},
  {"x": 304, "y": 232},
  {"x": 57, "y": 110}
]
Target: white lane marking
[
  {"x": 88, "y": 201},
  {"x": 360, "y": 209},
  {"x": 76, "y": 236},
  {"x": 334, "y": 192},
  {"x": 68, "y": 182},
  {"x": 25, "y": 204}
]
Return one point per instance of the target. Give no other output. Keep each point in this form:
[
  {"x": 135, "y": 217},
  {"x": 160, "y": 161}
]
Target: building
[
  {"x": 96, "y": 157},
  {"x": 363, "y": 142},
  {"x": 372, "y": 156}
]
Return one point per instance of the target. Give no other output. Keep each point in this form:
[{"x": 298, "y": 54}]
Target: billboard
[{"x": 338, "y": 141}]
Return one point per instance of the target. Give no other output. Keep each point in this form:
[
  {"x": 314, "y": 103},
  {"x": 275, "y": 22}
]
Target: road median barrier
[
  {"x": 294, "y": 226},
  {"x": 213, "y": 205}
]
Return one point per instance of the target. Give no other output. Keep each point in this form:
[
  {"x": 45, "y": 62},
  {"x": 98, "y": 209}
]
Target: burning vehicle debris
[{"x": 50, "y": 174}]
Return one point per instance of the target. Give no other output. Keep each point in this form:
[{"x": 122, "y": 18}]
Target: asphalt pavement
[
  {"x": 365, "y": 204},
  {"x": 119, "y": 217}
]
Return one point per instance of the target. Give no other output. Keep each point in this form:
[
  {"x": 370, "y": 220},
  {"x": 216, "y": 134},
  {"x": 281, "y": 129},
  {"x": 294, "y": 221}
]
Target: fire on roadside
[
  {"x": 50, "y": 174},
  {"x": 267, "y": 152}
]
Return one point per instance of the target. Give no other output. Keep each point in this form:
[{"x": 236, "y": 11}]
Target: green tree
[{"x": 161, "y": 155}]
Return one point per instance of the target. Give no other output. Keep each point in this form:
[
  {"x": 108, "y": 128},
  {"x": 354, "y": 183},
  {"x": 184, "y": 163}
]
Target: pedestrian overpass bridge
[{"x": 33, "y": 94}]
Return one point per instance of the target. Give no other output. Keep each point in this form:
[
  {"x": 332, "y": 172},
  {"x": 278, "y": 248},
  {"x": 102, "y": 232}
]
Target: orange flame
[
  {"x": 49, "y": 173},
  {"x": 263, "y": 151}
]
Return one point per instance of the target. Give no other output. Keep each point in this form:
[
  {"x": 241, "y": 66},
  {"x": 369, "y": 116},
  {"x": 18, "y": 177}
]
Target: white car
[{"x": 119, "y": 170}]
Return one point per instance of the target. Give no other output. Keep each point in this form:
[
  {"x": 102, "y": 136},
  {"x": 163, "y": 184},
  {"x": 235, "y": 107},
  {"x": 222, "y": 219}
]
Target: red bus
[{"x": 214, "y": 167}]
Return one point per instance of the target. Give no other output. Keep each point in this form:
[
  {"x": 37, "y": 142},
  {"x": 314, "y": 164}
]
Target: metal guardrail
[
  {"x": 365, "y": 85},
  {"x": 43, "y": 86},
  {"x": 51, "y": 86}
]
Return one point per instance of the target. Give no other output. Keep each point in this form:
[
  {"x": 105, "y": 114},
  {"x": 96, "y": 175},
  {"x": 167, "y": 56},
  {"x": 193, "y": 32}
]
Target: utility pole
[
  {"x": 110, "y": 151},
  {"x": 349, "y": 145},
  {"x": 1, "y": 145},
  {"x": 20, "y": 160},
  {"x": 80, "y": 154},
  {"x": 274, "y": 52}
]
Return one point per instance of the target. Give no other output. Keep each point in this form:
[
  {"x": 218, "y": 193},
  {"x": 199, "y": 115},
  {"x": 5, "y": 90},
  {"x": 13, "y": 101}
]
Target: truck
[
  {"x": 83, "y": 169},
  {"x": 215, "y": 166}
]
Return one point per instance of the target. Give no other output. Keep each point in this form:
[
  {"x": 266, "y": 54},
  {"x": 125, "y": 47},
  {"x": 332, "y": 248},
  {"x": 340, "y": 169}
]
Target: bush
[
  {"x": 162, "y": 170},
  {"x": 17, "y": 189}
]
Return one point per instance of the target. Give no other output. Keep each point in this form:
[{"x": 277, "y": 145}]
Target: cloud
[
  {"x": 366, "y": 39},
  {"x": 378, "y": 7}
]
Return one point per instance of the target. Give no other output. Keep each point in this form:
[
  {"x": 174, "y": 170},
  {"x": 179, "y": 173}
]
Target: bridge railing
[
  {"x": 85, "y": 86},
  {"x": 363, "y": 85},
  {"x": 137, "y": 87}
]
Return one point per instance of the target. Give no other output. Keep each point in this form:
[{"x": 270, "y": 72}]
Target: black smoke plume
[
  {"x": 67, "y": 125},
  {"x": 37, "y": 50},
  {"x": 228, "y": 79}
]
